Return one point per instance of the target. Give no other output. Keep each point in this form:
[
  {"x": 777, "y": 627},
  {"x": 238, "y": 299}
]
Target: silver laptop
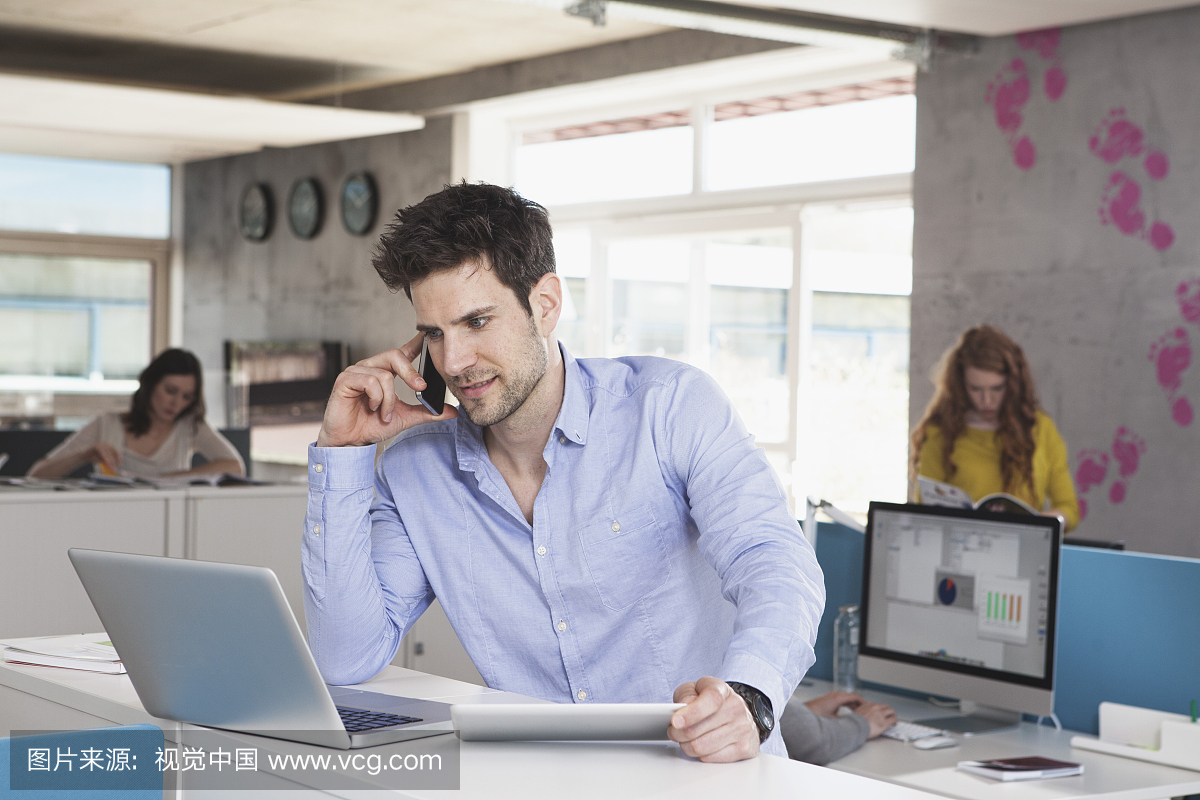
[{"x": 218, "y": 645}]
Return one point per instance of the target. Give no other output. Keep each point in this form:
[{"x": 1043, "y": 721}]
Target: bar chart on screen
[{"x": 1003, "y": 608}]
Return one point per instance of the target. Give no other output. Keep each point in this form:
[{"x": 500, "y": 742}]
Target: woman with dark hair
[
  {"x": 159, "y": 434},
  {"x": 984, "y": 431}
]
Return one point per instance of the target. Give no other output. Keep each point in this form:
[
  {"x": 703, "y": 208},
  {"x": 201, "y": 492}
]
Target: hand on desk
[
  {"x": 880, "y": 716},
  {"x": 716, "y": 725}
]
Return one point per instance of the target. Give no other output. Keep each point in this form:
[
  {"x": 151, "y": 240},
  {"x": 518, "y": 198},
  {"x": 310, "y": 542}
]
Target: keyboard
[
  {"x": 910, "y": 731},
  {"x": 357, "y": 720}
]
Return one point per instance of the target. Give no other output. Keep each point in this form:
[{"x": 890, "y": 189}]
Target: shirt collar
[
  {"x": 572, "y": 421},
  {"x": 575, "y": 413}
]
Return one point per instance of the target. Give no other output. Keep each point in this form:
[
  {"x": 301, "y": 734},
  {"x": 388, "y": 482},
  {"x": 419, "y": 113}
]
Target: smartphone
[{"x": 433, "y": 396}]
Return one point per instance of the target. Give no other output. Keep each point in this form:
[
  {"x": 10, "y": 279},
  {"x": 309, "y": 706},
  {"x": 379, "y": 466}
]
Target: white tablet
[{"x": 540, "y": 722}]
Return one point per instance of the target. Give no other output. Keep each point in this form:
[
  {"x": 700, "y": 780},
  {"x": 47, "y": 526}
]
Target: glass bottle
[{"x": 845, "y": 649}]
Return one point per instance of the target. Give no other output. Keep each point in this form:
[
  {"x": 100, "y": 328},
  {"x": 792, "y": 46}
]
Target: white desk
[
  {"x": 46, "y": 698},
  {"x": 39, "y": 592},
  {"x": 1108, "y": 777}
]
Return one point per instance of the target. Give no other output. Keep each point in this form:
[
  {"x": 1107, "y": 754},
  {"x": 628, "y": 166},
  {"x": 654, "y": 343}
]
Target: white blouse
[{"x": 174, "y": 455}]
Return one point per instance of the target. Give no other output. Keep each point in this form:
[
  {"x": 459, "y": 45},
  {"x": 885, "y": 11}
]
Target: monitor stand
[{"x": 977, "y": 719}]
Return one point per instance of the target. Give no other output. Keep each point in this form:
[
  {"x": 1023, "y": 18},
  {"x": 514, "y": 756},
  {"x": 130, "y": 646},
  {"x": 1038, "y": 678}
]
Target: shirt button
[
  {"x": 317, "y": 529},
  {"x": 562, "y": 626},
  {"x": 582, "y": 695},
  {"x": 319, "y": 468},
  {"x": 616, "y": 527},
  {"x": 542, "y": 551},
  {"x": 562, "y": 440}
]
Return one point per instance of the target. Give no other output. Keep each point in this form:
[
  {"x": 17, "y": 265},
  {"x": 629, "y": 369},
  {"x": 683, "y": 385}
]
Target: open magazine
[{"x": 936, "y": 493}]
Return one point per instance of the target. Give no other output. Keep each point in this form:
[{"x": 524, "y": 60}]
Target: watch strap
[{"x": 760, "y": 708}]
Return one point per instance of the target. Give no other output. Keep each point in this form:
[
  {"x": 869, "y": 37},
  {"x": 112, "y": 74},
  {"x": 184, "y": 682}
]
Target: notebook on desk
[{"x": 218, "y": 645}]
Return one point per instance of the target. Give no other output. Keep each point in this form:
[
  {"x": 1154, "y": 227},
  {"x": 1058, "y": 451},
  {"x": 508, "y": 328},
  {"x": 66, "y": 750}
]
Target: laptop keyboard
[{"x": 357, "y": 720}]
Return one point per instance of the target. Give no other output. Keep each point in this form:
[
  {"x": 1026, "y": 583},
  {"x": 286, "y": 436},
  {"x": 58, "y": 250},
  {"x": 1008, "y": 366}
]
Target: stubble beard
[{"x": 516, "y": 385}]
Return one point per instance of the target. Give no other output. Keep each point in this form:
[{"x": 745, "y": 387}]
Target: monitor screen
[{"x": 960, "y": 590}]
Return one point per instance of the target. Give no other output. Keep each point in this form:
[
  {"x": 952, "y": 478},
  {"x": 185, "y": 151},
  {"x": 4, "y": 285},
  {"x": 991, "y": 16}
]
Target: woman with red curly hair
[{"x": 984, "y": 431}]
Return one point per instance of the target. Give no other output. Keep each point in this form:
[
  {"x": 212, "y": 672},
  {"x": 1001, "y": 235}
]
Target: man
[{"x": 596, "y": 530}]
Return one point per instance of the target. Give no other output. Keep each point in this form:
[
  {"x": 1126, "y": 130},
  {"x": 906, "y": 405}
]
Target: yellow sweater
[{"x": 977, "y": 456}]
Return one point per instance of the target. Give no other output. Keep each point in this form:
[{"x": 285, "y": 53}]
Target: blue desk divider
[
  {"x": 840, "y": 553},
  {"x": 1128, "y": 625}
]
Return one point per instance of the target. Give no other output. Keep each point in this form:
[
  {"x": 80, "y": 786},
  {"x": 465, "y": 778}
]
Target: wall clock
[
  {"x": 256, "y": 212},
  {"x": 360, "y": 202},
  {"x": 305, "y": 208}
]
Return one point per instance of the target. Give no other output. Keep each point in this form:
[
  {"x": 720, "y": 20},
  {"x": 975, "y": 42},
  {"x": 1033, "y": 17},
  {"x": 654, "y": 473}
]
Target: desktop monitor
[{"x": 961, "y": 603}]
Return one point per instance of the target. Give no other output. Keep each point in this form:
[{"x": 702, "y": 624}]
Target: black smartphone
[{"x": 433, "y": 396}]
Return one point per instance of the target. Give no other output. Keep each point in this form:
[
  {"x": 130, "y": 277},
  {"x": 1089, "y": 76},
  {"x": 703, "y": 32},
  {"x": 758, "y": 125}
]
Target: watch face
[
  {"x": 255, "y": 212},
  {"x": 305, "y": 209},
  {"x": 359, "y": 203}
]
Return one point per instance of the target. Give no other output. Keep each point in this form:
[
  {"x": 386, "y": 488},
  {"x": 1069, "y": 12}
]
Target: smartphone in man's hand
[{"x": 433, "y": 396}]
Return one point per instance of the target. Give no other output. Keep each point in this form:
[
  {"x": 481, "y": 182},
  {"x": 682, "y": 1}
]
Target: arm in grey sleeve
[{"x": 818, "y": 740}]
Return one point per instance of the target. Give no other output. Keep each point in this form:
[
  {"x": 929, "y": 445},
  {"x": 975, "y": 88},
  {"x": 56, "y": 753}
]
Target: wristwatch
[{"x": 760, "y": 708}]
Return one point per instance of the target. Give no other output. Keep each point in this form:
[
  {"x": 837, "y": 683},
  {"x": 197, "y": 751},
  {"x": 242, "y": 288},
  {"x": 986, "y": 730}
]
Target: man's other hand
[
  {"x": 363, "y": 408},
  {"x": 715, "y": 725}
]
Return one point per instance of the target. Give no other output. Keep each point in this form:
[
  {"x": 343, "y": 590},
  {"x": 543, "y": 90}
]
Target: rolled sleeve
[{"x": 768, "y": 570}]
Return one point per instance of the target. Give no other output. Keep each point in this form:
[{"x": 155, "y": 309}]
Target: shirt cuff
[{"x": 341, "y": 468}]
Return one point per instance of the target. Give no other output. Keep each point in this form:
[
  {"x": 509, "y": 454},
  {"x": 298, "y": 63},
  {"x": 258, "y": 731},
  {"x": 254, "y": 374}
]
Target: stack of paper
[{"x": 87, "y": 651}]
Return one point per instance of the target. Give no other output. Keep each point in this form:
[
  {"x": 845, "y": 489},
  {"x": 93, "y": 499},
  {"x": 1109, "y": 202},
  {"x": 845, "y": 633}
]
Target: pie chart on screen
[{"x": 947, "y": 590}]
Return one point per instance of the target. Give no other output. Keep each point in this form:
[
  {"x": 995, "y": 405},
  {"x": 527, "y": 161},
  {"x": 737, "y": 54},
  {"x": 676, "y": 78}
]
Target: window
[
  {"x": 855, "y": 414},
  {"x": 779, "y": 260},
  {"x": 67, "y": 195},
  {"x": 80, "y": 313},
  {"x": 607, "y": 166},
  {"x": 849, "y": 138}
]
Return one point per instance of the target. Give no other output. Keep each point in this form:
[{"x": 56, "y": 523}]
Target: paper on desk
[{"x": 81, "y": 646}]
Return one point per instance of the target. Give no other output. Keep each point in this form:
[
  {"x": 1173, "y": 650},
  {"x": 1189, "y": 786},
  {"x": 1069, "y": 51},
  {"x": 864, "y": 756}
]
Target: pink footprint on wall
[
  {"x": 1007, "y": 94},
  {"x": 1117, "y": 137},
  {"x": 1093, "y": 469},
  {"x": 1127, "y": 450},
  {"x": 1120, "y": 206},
  {"x": 1045, "y": 42},
  {"x": 1188, "y": 295},
  {"x": 1172, "y": 355}
]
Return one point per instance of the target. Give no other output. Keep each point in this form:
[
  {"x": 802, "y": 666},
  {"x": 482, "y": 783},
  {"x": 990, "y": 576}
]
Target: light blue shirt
[{"x": 662, "y": 548}]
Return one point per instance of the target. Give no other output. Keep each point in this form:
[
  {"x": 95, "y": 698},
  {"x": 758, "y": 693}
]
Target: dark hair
[
  {"x": 468, "y": 222},
  {"x": 168, "y": 362},
  {"x": 987, "y": 348}
]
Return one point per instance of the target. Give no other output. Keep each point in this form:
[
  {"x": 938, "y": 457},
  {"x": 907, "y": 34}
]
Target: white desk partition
[
  {"x": 256, "y": 525},
  {"x": 39, "y": 591},
  {"x": 40, "y": 595}
]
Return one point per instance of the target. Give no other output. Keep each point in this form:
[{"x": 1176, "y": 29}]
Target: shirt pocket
[{"x": 626, "y": 557}]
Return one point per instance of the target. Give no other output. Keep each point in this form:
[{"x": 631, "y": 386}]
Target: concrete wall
[
  {"x": 1056, "y": 186},
  {"x": 286, "y": 288}
]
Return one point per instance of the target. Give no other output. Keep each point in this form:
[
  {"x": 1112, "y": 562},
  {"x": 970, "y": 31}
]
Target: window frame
[{"x": 158, "y": 252}]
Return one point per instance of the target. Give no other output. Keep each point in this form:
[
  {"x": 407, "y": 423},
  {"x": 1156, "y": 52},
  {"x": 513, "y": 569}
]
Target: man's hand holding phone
[{"x": 364, "y": 409}]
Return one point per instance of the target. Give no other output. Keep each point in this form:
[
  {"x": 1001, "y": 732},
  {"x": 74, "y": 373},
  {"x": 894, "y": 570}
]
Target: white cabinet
[{"x": 40, "y": 594}]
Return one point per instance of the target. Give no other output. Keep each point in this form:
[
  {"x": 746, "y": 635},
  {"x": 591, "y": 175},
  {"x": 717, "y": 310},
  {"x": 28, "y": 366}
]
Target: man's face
[{"x": 490, "y": 351}]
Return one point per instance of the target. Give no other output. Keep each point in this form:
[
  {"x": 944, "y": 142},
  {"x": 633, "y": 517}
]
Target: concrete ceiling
[
  {"x": 981, "y": 17},
  {"x": 290, "y": 50},
  {"x": 297, "y": 47}
]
